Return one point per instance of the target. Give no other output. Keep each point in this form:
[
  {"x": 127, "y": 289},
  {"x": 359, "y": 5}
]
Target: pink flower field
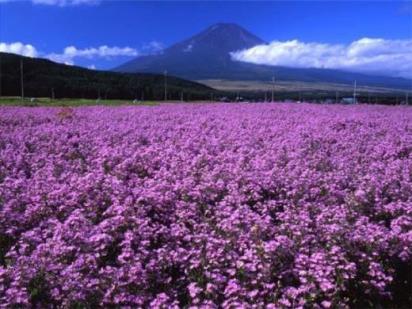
[{"x": 206, "y": 205}]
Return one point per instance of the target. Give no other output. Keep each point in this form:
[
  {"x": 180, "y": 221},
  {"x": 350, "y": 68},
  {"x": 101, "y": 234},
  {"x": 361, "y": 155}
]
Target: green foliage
[
  {"x": 39, "y": 290},
  {"x": 16, "y": 101},
  {"x": 44, "y": 78}
]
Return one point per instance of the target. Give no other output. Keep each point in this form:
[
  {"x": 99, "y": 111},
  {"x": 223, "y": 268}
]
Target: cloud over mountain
[
  {"x": 369, "y": 55},
  {"x": 19, "y": 48},
  {"x": 69, "y": 53}
]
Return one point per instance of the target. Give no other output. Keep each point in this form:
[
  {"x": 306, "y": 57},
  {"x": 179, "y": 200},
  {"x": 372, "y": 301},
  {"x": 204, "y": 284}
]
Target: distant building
[
  {"x": 224, "y": 99},
  {"x": 349, "y": 100}
]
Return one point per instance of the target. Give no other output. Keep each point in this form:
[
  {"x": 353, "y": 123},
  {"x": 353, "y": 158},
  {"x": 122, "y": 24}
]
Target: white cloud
[
  {"x": 60, "y": 3},
  {"x": 19, "y": 48},
  {"x": 188, "y": 48},
  {"x": 152, "y": 47},
  {"x": 66, "y": 2},
  {"x": 369, "y": 55},
  {"x": 91, "y": 67},
  {"x": 71, "y": 52}
]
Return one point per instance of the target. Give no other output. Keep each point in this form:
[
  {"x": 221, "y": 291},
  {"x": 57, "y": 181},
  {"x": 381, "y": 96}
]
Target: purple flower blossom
[{"x": 209, "y": 206}]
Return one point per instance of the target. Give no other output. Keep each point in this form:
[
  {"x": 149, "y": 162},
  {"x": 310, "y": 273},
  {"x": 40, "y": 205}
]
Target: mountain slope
[
  {"x": 207, "y": 56},
  {"x": 201, "y": 56},
  {"x": 41, "y": 76}
]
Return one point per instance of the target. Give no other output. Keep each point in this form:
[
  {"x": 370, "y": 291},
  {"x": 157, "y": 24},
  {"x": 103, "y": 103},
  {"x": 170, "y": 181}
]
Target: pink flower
[{"x": 326, "y": 304}]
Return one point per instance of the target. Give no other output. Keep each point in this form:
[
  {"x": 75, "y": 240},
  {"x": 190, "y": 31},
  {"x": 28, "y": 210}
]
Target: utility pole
[
  {"x": 336, "y": 99},
  {"x": 0, "y": 76},
  {"x": 52, "y": 94},
  {"x": 273, "y": 89},
  {"x": 181, "y": 96},
  {"x": 407, "y": 98},
  {"x": 21, "y": 79},
  {"x": 165, "y": 74},
  {"x": 354, "y": 93},
  {"x": 266, "y": 97}
]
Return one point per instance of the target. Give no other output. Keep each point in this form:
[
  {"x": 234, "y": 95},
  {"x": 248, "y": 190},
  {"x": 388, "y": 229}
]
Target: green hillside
[{"x": 44, "y": 78}]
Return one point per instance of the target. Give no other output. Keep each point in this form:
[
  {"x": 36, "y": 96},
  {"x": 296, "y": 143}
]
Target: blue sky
[{"x": 129, "y": 28}]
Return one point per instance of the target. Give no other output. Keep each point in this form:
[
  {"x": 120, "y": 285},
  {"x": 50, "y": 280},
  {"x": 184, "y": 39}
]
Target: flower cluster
[{"x": 215, "y": 205}]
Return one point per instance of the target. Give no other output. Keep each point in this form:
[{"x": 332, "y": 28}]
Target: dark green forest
[{"x": 44, "y": 78}]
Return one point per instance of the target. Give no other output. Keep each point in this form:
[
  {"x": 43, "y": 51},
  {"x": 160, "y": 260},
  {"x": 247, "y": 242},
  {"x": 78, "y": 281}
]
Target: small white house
[{"x": 348, "y": 100}]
